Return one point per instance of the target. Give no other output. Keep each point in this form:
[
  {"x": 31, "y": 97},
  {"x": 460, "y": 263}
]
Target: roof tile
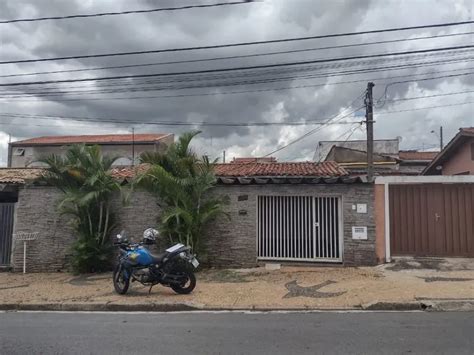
[
  {"x": 327, "y": 168},
  {"x": 107, "y": 138},
  {"x": 415, "y": 155}
]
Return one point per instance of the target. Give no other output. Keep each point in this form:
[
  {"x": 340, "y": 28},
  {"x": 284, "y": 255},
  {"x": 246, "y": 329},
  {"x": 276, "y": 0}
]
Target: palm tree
[
  {"x": 183, "y": 182},
  {"x": 83, "y": 176}
]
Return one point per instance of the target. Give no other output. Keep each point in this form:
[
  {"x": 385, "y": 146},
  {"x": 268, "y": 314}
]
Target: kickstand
[{"x": 149, "y": 291}]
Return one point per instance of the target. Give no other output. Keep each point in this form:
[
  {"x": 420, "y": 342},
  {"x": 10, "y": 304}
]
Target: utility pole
[
  {"x": 369, "y": 120},
  {"x": 441, "y": 145},
  {"x": 9, "y": 151},
  {"x": 223, "y": 156}
]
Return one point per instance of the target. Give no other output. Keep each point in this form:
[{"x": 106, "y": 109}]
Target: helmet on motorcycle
[{"x": 150, "y": 235}]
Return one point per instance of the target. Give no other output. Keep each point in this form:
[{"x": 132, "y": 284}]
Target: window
[{"x": 20, "y": 152}]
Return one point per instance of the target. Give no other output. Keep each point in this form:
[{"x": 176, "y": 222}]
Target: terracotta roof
[
  {"x": 415, "y": 155},
  {"x": 327, "y": 168},
  {"x": 18, "y": 175},
  {"x": 129, "y": 172},
  {"x": 107, "y": 138},
  {"x": 254, "y": 160},
  {"x": 465, "y": 134}
]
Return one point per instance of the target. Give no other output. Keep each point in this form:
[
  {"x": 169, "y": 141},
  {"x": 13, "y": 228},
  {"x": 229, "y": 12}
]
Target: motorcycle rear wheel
[
  {"x": 185, "y": 287},
  {"x": 121, "y": 283}
]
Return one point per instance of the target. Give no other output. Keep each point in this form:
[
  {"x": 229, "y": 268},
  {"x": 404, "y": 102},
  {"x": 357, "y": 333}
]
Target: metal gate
[
  {"x": 432, "y": 219},
  {"x": 299, "y": 228},
  {"x": 6, "y": 231}
]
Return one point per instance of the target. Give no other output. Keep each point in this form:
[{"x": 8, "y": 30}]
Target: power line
[
  {"x": 276, "y": 65},
  {"x": 236, "y": 56},
  {"x": 425, "y": 108},
  {"x": 328, "y": 121},
  {"x": 253, "y": 91},
  {"x": 186, "y": 123},
  {"x": 317, "y": 129},
  {"x": 253, "y": 75},
  {"x": 126, "y": 12},
  {"x": 240, "y": 44},
  {"x": 166, "y": 123}
]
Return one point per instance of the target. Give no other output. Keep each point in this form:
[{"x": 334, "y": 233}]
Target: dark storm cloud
[{"x": 260, "y": 21}]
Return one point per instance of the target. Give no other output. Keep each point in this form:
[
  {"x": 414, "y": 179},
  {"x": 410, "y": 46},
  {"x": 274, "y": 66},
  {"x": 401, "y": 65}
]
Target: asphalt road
[{"x": 236, "y": 333}]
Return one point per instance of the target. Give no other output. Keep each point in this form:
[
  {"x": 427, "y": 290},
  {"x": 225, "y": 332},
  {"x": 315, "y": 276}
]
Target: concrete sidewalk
[{"x": 406, "y": 284}]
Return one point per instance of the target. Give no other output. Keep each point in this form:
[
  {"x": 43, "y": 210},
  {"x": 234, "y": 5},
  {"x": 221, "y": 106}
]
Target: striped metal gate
[
  {"x": 299, "y": 228},
  {"x": 7, "y": 211}
]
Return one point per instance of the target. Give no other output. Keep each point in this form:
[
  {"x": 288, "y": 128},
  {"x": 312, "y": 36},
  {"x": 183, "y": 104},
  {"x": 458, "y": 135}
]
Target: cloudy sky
[{"x": 300, "y": 97}]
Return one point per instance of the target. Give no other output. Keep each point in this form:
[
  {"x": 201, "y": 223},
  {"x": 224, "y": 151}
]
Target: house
[
  {"x": 392, "y": 162},
  {"x": 284, "y": 212},
  {"x": 457, "y": 158},
  {"x": 127, "y": 147},
  {"x": 388, "y": 147}
]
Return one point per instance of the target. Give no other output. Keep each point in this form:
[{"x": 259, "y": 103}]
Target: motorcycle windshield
[{"x": 175, "y": 248}]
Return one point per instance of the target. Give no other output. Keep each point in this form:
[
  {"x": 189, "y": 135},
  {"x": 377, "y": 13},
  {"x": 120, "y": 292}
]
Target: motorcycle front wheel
[
  {"x": 187, "y": 285},
  {"x": 121, "y": 282}
]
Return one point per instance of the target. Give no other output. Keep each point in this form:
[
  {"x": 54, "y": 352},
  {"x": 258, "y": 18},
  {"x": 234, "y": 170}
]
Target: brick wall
[{"x": 231, "y": 243}]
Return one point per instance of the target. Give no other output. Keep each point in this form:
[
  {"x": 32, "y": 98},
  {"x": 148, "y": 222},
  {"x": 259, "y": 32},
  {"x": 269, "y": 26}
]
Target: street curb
[
  {"x": 394, "y": 306},
  {"x": 99, "y": 307},
  {"x": 428, "y": 305}
]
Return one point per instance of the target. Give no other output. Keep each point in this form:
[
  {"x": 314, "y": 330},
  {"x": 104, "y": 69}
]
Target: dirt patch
[
  {"x": 224, "y": 276},
  {"x": 449, "y": 279},
  {"x": 417, "y": 264},
  {"x": 296, "y": 290},
  {"x": 84, "y": 280}
]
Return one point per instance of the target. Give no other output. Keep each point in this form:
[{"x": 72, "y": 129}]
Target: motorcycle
[{"x": 173, "y": 268}]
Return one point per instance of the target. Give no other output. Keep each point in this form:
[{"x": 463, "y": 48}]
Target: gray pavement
[{"x": 237, "y": 333}]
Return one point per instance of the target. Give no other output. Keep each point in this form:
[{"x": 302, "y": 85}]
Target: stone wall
[
  {"x": 36, "y": 212},
  {"x": 233, "y": 242},
  {"x": 230, "y": 242}
]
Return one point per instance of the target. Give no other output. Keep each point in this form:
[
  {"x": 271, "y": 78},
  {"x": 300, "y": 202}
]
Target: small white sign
[
  {"x": 359, "y": 233},
  {"x": 361, "y": 208}
]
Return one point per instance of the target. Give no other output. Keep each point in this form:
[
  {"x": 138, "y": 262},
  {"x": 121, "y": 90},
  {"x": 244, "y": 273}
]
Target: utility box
[{"x": 359, "y": 233}]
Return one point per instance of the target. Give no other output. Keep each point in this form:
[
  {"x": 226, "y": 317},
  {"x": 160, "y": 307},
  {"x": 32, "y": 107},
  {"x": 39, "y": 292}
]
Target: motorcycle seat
[{"x": 158, "y": 258}]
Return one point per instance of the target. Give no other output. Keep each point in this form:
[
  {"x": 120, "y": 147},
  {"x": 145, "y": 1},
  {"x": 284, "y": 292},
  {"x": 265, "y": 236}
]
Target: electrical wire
[
  {"x": 254, "y": 75},
  {"x": 447, "y": 24},
  {"x": 102, "y": 14},
  {"x": 237, "y": 56},
  {"x": 276, "y": 65},
  {"x": 101, "y": 88},
  {"x": 248, "y": 91}
]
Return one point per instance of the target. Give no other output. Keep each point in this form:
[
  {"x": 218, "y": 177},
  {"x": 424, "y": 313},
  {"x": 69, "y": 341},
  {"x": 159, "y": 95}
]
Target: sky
[{"x": 296, "y": 100}]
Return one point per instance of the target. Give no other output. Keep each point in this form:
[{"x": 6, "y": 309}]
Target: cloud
[{"x": 259, "y": 21}]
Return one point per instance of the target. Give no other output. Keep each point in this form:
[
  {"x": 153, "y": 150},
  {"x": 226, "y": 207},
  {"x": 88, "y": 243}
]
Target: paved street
[{"x": 236, "y": 333}]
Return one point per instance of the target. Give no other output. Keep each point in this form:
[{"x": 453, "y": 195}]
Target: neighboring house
[
  {"x": 393, "y": 162},
  {"x": 457, "y": 158},
  {"x": 127, "y": 147},
  {"x": 388, "y": 147},
  {"x": 297, "y": 212},
  {"x": 413, "y": 162}
]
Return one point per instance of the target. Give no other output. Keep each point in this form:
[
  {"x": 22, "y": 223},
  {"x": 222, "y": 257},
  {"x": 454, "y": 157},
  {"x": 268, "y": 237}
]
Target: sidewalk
[{"x": 406, "y": 284}]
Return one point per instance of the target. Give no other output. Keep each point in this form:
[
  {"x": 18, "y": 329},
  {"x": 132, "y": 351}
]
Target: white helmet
[{"x": 150, "y": 235}]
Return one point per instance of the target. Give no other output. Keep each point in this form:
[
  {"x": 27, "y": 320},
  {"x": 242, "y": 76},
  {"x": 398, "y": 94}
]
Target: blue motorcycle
[{"x": 174, "y": 268}]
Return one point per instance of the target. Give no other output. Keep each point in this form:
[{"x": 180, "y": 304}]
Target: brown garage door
[{"x": 432, "y": 220}]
